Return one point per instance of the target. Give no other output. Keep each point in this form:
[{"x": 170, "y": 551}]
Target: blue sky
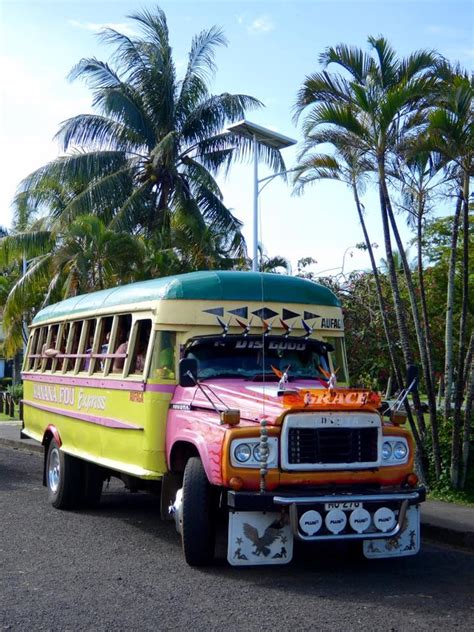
[{"x": 272, "y": 46}]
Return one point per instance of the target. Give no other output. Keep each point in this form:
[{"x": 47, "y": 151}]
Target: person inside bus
[{"x": 119, "y": 362}]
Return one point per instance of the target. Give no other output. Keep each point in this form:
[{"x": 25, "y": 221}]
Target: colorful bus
[{"x": 226, "y": 393}]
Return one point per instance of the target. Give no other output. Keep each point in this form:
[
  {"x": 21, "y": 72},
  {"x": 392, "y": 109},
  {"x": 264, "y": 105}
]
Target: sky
[{"x": 272, "y": 46}]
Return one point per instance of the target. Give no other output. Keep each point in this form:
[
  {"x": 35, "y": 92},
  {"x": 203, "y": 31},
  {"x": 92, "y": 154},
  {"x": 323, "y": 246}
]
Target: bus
[{"x": 227, "y": 394}]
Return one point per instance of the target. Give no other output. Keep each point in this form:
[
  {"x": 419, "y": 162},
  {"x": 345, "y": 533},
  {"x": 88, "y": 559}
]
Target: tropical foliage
[{"x": 134, "y": 195}]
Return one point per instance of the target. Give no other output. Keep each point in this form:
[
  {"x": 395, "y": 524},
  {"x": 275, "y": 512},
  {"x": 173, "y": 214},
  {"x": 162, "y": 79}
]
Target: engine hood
[{"x": 254, "y": 399}]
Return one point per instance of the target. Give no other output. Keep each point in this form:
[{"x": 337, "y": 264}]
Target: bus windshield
[{"x": 256, "y": 357}]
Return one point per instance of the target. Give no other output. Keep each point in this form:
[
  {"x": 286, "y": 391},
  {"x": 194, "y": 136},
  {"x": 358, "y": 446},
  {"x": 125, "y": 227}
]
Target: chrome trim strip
[{"x": 341, "y": 498}]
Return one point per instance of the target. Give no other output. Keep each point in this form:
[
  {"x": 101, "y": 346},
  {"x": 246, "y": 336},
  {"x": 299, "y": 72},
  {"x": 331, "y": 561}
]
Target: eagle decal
[{"x": 262, "y": 544}]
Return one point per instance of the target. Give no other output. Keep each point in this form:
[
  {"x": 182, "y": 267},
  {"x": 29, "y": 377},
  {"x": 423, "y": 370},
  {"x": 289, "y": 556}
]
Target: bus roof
[{"x": 214, "y": 285}]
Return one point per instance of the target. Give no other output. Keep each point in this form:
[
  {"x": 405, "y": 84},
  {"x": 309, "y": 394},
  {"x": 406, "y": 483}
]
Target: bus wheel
[
  {"x": 63, "y": 478},
  {"x": 92, "y": 482},
  {"x": 198, "y": 528}
]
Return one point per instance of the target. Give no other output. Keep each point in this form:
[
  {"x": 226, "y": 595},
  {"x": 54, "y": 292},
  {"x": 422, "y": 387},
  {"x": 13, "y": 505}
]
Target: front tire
[
  {"x": 199, "y": 520},
  {"x": 63, "y": 478}
]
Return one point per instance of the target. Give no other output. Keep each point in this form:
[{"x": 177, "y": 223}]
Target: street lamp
[{"x": 260, "y": 136}]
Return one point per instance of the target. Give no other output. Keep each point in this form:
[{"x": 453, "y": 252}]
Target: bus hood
[{"x": 254, "y": 399}]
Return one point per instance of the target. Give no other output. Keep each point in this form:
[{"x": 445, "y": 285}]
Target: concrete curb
[
  {"x": 27, "y": 445},
  {"x": 444, "y": 535}
]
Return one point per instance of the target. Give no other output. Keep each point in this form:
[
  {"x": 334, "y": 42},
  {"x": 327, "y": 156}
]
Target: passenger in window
[
  {"x": 119, "y": 362},
  {"x": 87, "y": 361}
]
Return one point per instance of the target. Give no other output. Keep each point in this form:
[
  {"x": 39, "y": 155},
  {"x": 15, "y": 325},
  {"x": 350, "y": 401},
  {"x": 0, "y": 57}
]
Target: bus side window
[
  {"x": 105, "y": 328},
  {"x": 73, "y": 345},
  {"x": 163, "y": 359},
  {"x": 50, "y": 350},
  {"x": 39, "y": 348},
  {"x": 63, "y": 337},
  {"x": 33, "y": 345},
  {"x": 120, "y": 343},
  {"x": 140, "y": 341},
  {"x": 88, "y": 334}
]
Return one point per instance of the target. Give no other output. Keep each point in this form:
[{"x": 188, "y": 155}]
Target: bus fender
[{"x": 184, "y": 447}]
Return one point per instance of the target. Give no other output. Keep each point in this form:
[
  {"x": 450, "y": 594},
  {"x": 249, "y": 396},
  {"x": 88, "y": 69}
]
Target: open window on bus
[
  {"x": 32, "y": 350},
  {"x": 50, "y": 348},
  {"x": 43, "y": 332},
  {"x": 89, "y": 347},
  {"x": 72, "y": 347},
  {"x": 163, "y": 361},
  {"x": 139, "y": 344},
  {"x": 63, "y": 335},
  {"x": 119, "y": 341},
  {"x": 104, "y": 330}
]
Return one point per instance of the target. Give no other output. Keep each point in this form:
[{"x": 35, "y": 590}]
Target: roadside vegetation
[{"x": 134, "y": 196}]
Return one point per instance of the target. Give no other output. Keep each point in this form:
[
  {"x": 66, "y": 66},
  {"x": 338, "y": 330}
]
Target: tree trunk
[
  {"x": 383, "y": 312},
  {"x": 460, "y": 369},
  {"x": 422, "y": 345},
  {"x": 448, "y": 341},
  {"x": 399, "y": 307},
  {"x": 468, "y": 414}
]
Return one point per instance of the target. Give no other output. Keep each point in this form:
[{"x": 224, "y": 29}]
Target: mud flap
[
  {"x": 407, "y": 542},
  {"x": 257, "y": 537}
]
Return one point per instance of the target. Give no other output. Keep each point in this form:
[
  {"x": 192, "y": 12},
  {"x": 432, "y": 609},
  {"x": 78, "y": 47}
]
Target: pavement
[{"x": 443, "y": 522}]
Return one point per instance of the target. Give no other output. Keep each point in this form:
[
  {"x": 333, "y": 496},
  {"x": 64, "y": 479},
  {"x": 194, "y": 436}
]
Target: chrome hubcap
[{"x": 54, "y": 470}]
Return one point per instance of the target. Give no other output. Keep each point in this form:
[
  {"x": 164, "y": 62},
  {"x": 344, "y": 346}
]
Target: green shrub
[{"x": 16, "y": 391}]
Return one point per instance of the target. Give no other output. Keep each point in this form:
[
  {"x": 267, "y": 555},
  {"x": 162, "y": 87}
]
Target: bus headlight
[
  {"x": 242, "y": 452},
  {"x": 400, "y": 451},
  {"x": 246, "y": 452},
  {"x": 394, "y": 451}
]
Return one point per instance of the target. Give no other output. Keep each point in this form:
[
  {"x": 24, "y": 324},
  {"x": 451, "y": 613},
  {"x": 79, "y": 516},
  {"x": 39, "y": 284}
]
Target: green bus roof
[{"x": 207, "y": 285}]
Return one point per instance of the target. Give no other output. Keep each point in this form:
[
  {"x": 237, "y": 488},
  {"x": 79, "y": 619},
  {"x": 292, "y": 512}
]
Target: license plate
[{"x": 346, "y": 506}]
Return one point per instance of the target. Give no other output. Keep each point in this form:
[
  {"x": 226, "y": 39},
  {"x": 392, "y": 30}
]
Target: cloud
[
  {"x": 262, "y": 24},
  {"x": 94, "y": 27}
]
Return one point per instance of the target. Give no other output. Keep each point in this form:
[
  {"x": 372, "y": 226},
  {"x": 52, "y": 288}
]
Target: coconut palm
[
  {"x": 378, "y": 101},
  {"x": 451, "y": 132},
  {"x": 348, "y": 166},
  {"x": 150, "y": 152}
]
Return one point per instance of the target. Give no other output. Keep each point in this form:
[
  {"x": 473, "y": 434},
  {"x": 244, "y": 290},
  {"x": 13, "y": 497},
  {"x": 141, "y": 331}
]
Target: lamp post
[{"x": 259, "y": 136}]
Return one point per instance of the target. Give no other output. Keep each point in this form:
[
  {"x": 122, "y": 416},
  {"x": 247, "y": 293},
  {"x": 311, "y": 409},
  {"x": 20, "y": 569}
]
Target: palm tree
[
  {"x": 150, "y": 153},
  {"x": 86, "y": 257},
  {"x": 451, "y": 132},
  {"x": 378, "y": 101},
  {"x": 348, "y": 166}
]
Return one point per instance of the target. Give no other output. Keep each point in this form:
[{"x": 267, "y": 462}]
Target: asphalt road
[{"x": 120, "y": 568}]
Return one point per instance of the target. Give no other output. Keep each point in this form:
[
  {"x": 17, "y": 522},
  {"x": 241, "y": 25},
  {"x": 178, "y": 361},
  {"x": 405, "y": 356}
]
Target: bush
[{"x": 16, "y": 391}]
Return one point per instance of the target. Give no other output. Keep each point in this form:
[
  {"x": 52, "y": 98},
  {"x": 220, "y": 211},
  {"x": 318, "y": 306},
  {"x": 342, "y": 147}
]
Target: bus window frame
[{"x": 131, "y": 346}]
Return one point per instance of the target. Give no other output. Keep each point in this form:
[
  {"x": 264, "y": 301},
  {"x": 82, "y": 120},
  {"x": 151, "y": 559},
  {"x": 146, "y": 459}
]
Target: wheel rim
[{"x": 54, "y": 470}]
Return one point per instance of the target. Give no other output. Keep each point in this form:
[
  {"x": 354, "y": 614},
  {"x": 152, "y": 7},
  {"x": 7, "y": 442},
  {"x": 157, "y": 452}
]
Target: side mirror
[
  {"x": 188, "y": 369},
  {"x": 412, "y": 378}
]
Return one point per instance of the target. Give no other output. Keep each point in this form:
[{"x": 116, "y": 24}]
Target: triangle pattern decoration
[
  {"x": 264, "y": 313},
  {"x": 215, "y": 311},
  {"x": 310, "y": 315},
  {"x": 240, "y": 311},
  {"x": 288, "y": 314}
]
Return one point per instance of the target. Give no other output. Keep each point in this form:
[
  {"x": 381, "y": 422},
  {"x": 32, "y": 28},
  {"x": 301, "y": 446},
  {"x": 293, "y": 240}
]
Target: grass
[
  {"x": 4, "y": 417},
  {"x": 453, "y": 496}
]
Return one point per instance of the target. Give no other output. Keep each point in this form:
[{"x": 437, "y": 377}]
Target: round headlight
[
  {"x": 242, "y": 452},
  {"x": 386, "y": 450},
  {"x": 256, "y": 453},
  {"x": 400, "y": 451}
]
